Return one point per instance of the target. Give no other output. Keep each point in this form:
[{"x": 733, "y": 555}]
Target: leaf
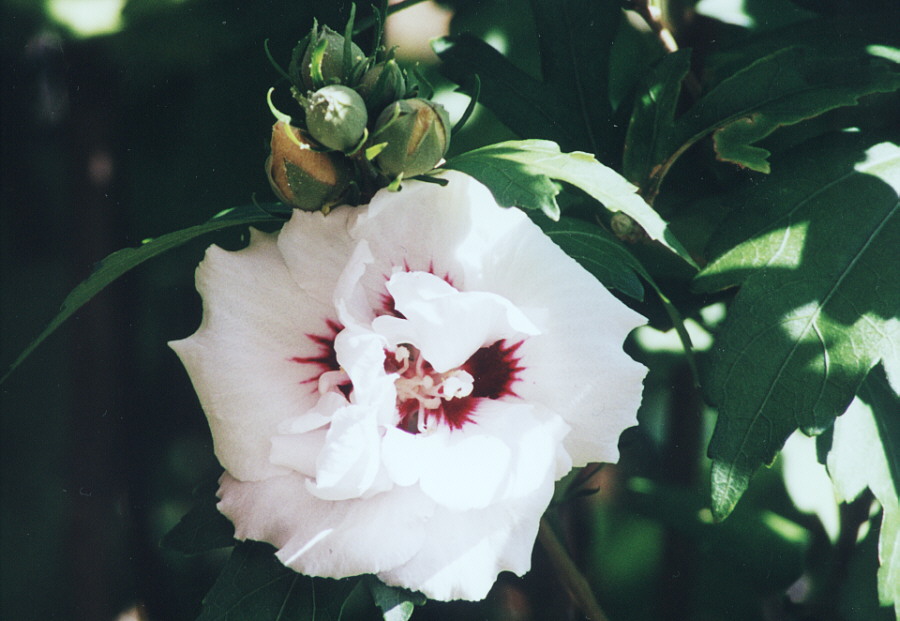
[
  {"x": 121, "y": 261},
  {"x": 575, "y": 40},
  {"x": 783, "y": 88},
  {"x": 814, "y": 248},
  {"x": 599, "y": 252},
  {"x": 255, "y": 586},
  {"x": 396, "y": 604},
  {"x": 520, "y": 101},
  {"x": 866, "y": 453},
  {"x": 649, "y": 130},
  {"x": 202, "y": 528},
  {"x": 518, "y": 172}
]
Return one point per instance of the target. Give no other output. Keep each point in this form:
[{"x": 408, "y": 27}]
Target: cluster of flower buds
[{"x": 363, "y": 125}]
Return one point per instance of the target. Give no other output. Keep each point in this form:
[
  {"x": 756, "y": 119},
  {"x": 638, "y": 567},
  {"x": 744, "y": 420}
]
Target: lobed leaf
[
  {"x": 782, "y": 88},
  {"x": 255, "y": 586},
  {"x": 814, "y": 248},
  {"x": 519, "y": 172},
  {"x": 122, "y": 261}
]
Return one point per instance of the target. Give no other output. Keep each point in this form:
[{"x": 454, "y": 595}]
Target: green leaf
[
  {"x": 649, "y": 130},
  {"x": 121, "y": 261},
  {"x": 575, "y": 40},
  {"x": 783, "y": 88},
  {"x": 866, "y": 453},
  {"x": 520, "y": 101},
  {"x": 814, "y": 248},
  {"x": 396, "y": 604},
  {"x": 255, "y": 586},
  {"x": 599, "y": 252},
  {"x": 202, "y": 528},
  {"x": 518, "y": 172}
]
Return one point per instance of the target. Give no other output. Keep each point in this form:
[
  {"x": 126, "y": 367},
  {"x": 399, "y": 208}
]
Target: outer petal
[
  {"x": 576, "y": 366},
  {"x": 315, "y": 248},
  {"x": 326, "y": 538},
  {"x": 473, "y": 547},
  {"x": 240, "y": 359}
]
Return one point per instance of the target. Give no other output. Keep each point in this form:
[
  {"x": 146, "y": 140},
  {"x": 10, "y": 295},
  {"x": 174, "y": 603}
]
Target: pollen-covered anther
[{"x": 421, "y": 389}]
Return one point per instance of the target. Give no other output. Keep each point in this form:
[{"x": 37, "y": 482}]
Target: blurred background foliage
[{"x": 127, "y": 119}]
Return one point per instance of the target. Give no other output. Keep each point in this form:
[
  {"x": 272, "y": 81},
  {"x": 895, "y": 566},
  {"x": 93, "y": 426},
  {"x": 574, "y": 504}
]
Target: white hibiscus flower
[{"x": 393, "y": 389}]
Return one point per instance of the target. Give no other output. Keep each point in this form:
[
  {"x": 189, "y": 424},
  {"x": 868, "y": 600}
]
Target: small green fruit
[
  {"x": 336, "y": 116},
  {"x": 382, "y": 84},
  {"x": 333, "y": 68},
  {"x": 417, "y": 133}
]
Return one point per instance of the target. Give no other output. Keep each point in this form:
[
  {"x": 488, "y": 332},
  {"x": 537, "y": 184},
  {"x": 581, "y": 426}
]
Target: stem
[
  {"x": 364, "y": 24},
  {"x": 573, "y": 580}
]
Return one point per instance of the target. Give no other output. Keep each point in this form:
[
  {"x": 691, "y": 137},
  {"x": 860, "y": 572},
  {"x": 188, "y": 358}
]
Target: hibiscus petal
[
  {"x": 241, "y": 358},
  {"x": 326, "y": 538},
  {"x": 447, "y": 325},
  {"x": 469, "y": 548}
]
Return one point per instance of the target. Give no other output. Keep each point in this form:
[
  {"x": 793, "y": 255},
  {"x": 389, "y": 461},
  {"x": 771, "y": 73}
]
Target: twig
[{"x": 573, "y": 580}]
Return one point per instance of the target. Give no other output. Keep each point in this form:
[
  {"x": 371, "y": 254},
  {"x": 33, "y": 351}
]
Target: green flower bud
[
  {"x": 332, "y": 63},
  {"x": 417, "y": 133},
  {"x": 382, "y": 84},
  {"x": 336, "y": 117},
  {"x": 302, "y": 177}
]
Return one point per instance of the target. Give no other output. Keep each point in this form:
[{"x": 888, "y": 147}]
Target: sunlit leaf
[
  {"x": 519, "y": 173},
  {"x": 121, "y": 261},
  {"x": 813, "y": 247},
  {"x": 396, "y": 604},
  {"x": 255, "y": 586},
  {"x": 865, "y": 453}
]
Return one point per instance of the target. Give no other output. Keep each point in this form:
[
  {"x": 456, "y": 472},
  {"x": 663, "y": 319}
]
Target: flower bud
[
  {"x": 302, "y": 177},
  {"x": 336, "y": 117},
  {"x": 333, "y": 69},
  {"x": 382, "y": 84},
  {"x": 417, "y": 133}
]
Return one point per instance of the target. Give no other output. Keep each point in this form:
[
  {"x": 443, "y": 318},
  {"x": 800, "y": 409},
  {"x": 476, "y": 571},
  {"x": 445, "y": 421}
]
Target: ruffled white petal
[
  {"x": 445, "y": 324},
  {"x": 327, "y": 538},
  {"x": 240, "y": 359}
]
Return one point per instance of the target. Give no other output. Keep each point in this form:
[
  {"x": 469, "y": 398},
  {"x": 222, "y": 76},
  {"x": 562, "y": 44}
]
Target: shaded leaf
[
  {"x": 783, "y": 88},
  {"x": 121, "y": 261},
  {"x": 520, "y": 101},
  {"x": 255, "y": 586},
  {"x": 812, "y": 246},
  {"x": 575, "y": 40},
  {"x": 396, "y": 604},
  {"x": 866, "y": 453},
  {"x": 649, "y": 130},
  {"x": 202, "y": 528},
  {"x": 599, "y": 252},
  {"x": 519, "y": 173}
]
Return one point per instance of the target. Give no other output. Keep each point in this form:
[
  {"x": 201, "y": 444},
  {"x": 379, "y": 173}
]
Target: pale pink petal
[
  {"x": 468, "y": 549},
  {"x": 327, "y": 538},
  {"x": 241, "y": 359},
  {"x": 447, "y": 325}
]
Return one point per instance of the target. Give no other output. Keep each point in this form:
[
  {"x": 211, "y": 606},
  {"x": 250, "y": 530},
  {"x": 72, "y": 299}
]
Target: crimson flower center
[{"x": 427, "y": 398}]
